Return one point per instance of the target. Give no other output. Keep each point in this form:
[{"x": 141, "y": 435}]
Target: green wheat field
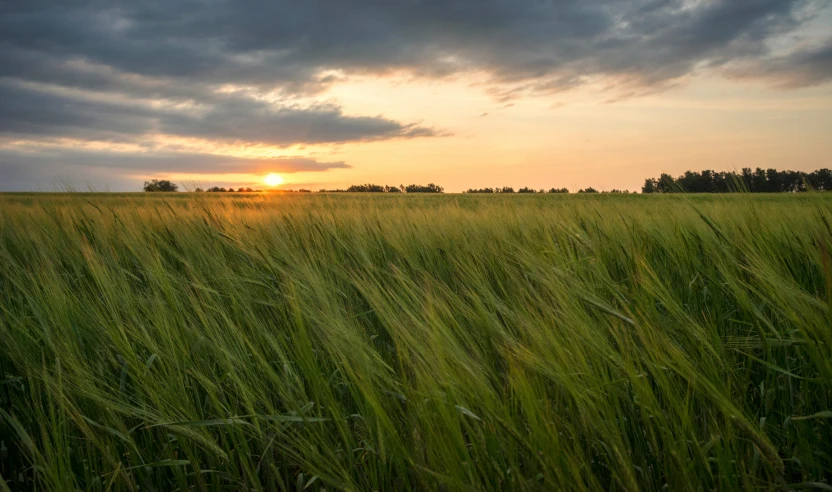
[{"x": 453, "y": 342}]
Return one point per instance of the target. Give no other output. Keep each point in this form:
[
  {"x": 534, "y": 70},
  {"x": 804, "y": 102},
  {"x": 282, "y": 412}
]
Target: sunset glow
[
  {"x": 273, "y": 179},
  {"x": 463, "y": 94}
]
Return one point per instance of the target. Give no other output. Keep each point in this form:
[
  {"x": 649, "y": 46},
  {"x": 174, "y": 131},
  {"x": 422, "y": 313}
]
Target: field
[{"x": 382, "y": 342}]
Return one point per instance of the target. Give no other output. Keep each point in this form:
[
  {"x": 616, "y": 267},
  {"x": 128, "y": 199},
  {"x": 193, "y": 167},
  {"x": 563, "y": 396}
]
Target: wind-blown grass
[{"x": 403, "y": 342}]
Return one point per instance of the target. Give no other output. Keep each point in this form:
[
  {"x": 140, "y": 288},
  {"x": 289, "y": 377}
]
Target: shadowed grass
[{"x": 452, "y": 342}]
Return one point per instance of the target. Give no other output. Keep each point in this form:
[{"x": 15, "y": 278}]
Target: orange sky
[
  {"x": 572, "y": 139},
  {"x": 461, "y": 93}
]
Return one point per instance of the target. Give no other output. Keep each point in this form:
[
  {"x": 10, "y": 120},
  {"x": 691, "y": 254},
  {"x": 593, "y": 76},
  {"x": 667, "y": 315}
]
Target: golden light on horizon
[{"x": 273, "y": 179}]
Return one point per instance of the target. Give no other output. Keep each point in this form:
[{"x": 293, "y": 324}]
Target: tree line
[
  {"x": 525, "y": 189},
  {"x": 163, "y": 185},
  {"x": 509, "y": 189},
  {"x": 756, "y": 181},
  {"x": 707, "y": 181},
  {"x": 374, "y": 188}
]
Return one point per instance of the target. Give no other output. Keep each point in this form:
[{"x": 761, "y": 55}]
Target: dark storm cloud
[
  {"x": 183, "y": 50},
  {"x": 35, "y": 111},
  {"x": 804, "y": 67},
  {"x": 249, "y": 120},
  {"x": 119, "y": 70},
  {"x": 32, "y": 112},
  {"x": 287, "y": 43}
]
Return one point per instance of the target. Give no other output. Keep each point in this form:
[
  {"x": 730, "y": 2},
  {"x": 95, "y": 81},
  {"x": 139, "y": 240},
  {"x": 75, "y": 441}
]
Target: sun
[{"x": 273, "y": 179}]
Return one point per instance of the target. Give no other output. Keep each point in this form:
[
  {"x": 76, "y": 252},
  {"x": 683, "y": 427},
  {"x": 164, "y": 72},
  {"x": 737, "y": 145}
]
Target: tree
[
  {"x": 751, "y": 181},
  {"x": 366, "y": 188},
  {"x": 157, "y": 185},
  {"x": 559, "y": 190},
  {"x": 747, "y": 179},
  {"x": 430, "y": 188},
  {"x": 588, "y": 190},
  {"x": 526, "y": 189},
  {"x": 820, "y": 180},
  {"x": 666, "y": 184}
]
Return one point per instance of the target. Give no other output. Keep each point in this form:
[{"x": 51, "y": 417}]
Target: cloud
[
  {"x": 802, "y": 67},
  {"x": 234, "y": 70},
  {"x": 185, "y": 51},
  {"x": 162, "y": 161},
  {"x": 27, "y": 110},
  {"x": 291, "y": 44},
  {"x": 33, "y": 168},
  {"x": 248, "y": 120}
]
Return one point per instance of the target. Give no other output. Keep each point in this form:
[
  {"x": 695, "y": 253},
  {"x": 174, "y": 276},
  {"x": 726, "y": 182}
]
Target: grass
[{"x": 448, "y": 342}]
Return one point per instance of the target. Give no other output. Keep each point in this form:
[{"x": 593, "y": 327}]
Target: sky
[{"x": 106, "y": 94}]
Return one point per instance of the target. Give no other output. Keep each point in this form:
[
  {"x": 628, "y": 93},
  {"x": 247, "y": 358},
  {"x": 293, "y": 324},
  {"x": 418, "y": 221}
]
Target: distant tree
[
  {"x": 504, "y": 189},
  {"x": 157, "y": 185},
  {"x": 723, "y": 182},
  {"x": 797, "y": 181},
  {"x": 480, "y": 190},
  {"x": 759, "y": 182},
  {"x": 526, "y": 189},
  {"x": 776, "y": 181},
  {"x": 666, "y": 184},
  {"x": 393, "y": 189},
  {"x": 559, "y": 190},
  {"x": 747, "y": 180},
  {"x": 366, "y": 188},
  {"x": 820, "y": 180},
  {"x": 198, "y": 190},
  {"x": 588, "y": 190},
  {"x": 430, "y": 188}
]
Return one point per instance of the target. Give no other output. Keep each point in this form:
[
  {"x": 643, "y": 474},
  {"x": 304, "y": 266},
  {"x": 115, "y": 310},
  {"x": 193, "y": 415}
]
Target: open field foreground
[{"x": 452, "y": 342}]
